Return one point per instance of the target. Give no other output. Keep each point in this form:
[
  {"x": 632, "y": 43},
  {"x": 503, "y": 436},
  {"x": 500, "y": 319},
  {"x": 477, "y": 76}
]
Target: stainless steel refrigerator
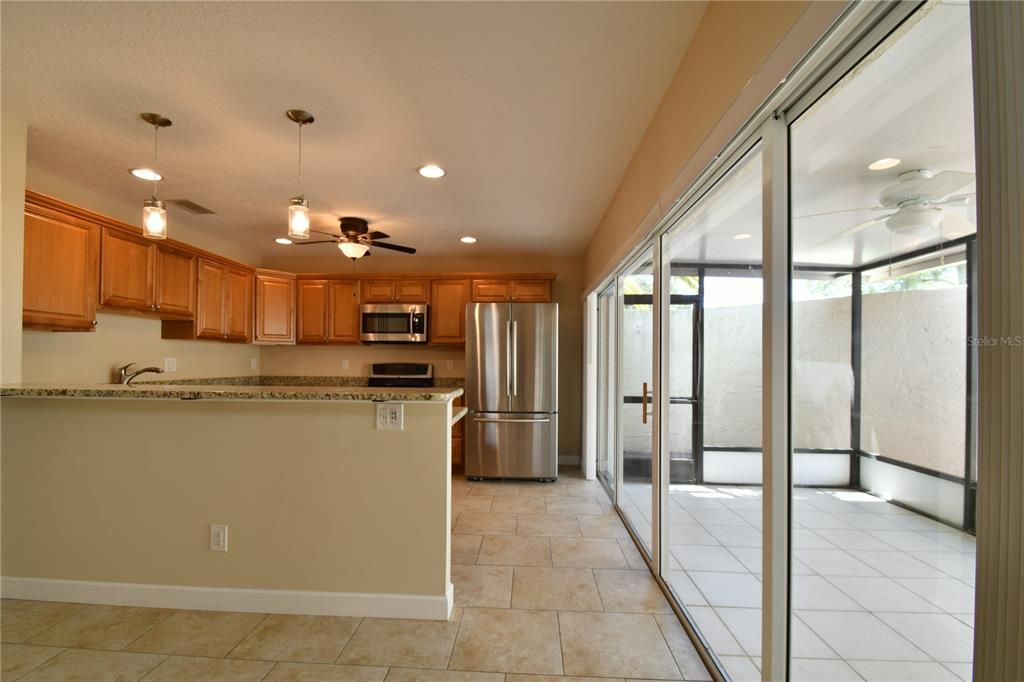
[{"x": 512, "y": 390}]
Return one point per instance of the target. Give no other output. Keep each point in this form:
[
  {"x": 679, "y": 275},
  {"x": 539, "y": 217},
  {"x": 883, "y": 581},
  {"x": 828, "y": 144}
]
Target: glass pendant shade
[
  {"x": 298, "y": 218},
  {"x": 353, "y": 250},
  {"x": 154, "y": 219}
]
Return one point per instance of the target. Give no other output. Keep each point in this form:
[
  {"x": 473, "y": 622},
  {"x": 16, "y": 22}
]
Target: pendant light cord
[{"x": 156, "y": 138}]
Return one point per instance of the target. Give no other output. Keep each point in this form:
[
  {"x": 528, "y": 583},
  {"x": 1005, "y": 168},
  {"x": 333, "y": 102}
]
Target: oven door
[{"x": 392, "y": 323}]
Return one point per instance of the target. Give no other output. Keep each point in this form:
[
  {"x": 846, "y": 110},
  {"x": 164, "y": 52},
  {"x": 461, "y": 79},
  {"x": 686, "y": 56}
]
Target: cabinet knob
[
  {"x": 94, "y": 323},
  {"x": 158, "y": 306},
  {"x": 152, "y": 306}
]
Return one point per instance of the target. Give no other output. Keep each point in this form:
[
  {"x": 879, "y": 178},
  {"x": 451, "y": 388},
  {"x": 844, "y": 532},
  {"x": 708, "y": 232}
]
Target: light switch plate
[
  {"x": 218, "y": 537},
  {"x": 170, "y": 364},
  {"x": 344, "y": 364}
]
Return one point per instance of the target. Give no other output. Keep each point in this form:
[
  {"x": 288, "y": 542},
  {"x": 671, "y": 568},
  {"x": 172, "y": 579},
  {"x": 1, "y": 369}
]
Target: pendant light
[
  {"x": 154, "y": 213},
  {"x": 298, "y": 207}
]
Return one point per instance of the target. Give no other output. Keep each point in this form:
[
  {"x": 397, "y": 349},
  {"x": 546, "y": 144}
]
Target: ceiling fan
[
  {"x": 356, "y": 239},
  {"x": 915, "y": 205}
]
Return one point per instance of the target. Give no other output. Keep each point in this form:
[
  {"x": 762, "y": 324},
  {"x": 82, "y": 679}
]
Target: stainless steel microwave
[{"x": 393, "y": 323}]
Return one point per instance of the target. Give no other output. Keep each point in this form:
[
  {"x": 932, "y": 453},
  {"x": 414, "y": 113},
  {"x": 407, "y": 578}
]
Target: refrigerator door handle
[
  {"x": 508, "y": 358},
  {"x": 515, "y": 358},
  {"x": 490, "y": 420}
]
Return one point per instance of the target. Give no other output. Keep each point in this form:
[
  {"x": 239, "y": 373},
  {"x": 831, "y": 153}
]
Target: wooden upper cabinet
[
  {"x": 343, "y": 320},
  {"x": 448, "y": 311},
  {"x": 311, "y": 311},
  {"x": 328, "y": 311},
  {"x": 238, "y": 294},
  {"x": 515, "y": 290},
  {"x": 275, "y": 308},
  {"x": 137, "y": 274},
  {"x": 61, "y": 271},
  {"x": 395, "y": 290},
  {"x": 127, "y": 271},
  {"x": 210, "y": 300},
  {"x": 175, "y": 279}
]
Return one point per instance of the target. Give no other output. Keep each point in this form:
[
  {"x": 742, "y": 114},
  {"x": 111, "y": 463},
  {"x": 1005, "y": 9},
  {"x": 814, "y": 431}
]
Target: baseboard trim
[{"x": 422, "y": 607}]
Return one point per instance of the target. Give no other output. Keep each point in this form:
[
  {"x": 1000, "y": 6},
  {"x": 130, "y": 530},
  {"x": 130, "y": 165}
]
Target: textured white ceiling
[{"x": 534, "y": 108}]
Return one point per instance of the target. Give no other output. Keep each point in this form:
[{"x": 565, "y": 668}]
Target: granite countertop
[{"x": 229, "y": 392}]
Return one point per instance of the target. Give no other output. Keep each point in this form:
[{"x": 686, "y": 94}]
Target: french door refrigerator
[{"x": 512, "y": 390}]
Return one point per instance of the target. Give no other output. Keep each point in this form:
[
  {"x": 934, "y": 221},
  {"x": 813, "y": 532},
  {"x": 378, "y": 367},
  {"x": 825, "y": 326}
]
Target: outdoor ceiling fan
[
  {"x": 915, "y": 205},
  {"x": 356, "y": 239}
]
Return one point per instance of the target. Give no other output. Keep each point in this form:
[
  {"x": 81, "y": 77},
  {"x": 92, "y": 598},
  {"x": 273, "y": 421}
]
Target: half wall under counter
[{"x": 109, "y": 493}]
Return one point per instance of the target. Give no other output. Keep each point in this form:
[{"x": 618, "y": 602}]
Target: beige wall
[
  {"x": 90, "y": 357},
  {"x": 333, "y": 506},
  {"x": 12, "y": 237},
  {"x": 736, "y": 58},
  {"x": 567, "y": 291}
]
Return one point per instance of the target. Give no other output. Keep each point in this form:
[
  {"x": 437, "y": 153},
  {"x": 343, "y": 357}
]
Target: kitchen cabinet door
[
  {"x": 127, "y": 268},
  {"x": 491, "y": 290},
  {"x": 238, "y": 295},
  {"x": 175, "y": 282},
  {"x": 61, "y": 273},
  {"x": 448, "y": 311},
  {"x": 311, "y": 311},
  {"x": 210, "y": 300},
  {"x": 378, "y": 290},
  {"x": 275, "y": 309},
  {"x": 531, "y": 291},
  {"x": 343, "y": 317},
  {"x": 411, "y": 290}
]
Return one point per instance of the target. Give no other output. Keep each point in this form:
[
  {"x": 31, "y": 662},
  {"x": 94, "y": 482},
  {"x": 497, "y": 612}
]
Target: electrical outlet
[
  {"x": 218, "y": 537},
  {"x": 344, "y": 364},
  {"x": 449, "y": 365},
  {"x": 170, "y": 364},
  {"x": 390, "y": 416},
  {"x": 254, "y": 363}
]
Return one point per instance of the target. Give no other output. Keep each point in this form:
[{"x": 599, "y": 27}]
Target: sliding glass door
[
  {"x": 636, "y": 396},
  {"x": 606, "y": 403}
]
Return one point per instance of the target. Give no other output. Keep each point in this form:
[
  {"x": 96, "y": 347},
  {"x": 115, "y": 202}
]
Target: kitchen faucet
[{"x": 125, "y": 377}]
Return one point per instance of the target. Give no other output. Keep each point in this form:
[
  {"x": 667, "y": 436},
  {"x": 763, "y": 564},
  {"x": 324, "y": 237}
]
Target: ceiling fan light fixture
[
  {"x": 283, "y": 241},
  {"x": 468, "y": 240},
  {"x": 431, "y": 171},
  {"x": 154, "y": 219},
  {"x": 884, "y": 164},
  {"x": 353, "y": 250},
  {"x": 298, "y": 218},
  {"x": 146, "y": 174}
]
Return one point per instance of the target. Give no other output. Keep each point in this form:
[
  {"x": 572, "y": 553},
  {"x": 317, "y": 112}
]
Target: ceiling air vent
[{"x": 191, "y": 206}]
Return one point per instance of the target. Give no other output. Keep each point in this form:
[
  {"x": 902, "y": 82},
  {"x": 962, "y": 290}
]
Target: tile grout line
[
  {"x": 171, "y": 613},
  {"x": 246, "y": 635}
]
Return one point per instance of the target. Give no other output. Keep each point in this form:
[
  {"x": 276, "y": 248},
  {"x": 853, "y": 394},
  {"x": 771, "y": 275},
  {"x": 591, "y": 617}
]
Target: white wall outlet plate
[
  {"x": 449, "y": 365},
  {"x": 218, "y": 537},
  {"x": 254, "y": 363},
  {"x": 344, "y": 364},
  {"x": 390, "y": 416},
  {"x": 170, "y": 364}
]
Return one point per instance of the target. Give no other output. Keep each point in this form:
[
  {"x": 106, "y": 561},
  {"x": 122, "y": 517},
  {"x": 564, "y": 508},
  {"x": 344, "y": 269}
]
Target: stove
[{"x": 403, "y": 374}]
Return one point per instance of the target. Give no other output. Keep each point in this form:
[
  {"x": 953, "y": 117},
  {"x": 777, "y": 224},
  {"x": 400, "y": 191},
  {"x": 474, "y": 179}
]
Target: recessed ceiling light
[
  {"x": 743, "y": 236},
  {"x": 883, "y": 164},
  {"x": 283, "y": 240},
  {"x": 431, "y": 171},
  {"x": 468, "y": 240},
  {"x": 146, "y": 174}
]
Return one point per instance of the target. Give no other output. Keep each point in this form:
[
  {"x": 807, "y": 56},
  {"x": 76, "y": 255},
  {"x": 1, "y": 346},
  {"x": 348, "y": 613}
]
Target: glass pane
[
  {"x": 636, "y": 395},
  {"x": 882, "y": 202},
  {"x": 712, "y": 260}
]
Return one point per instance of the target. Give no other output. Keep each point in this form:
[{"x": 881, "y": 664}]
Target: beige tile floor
[{"x": 547, "y": 585}]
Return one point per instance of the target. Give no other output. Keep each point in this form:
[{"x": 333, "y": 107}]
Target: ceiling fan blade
[
  {"x": 951, "y": 222},
  {"x": 843, "y": 210},
  {"x": 376, "y": 235},
  {"x": 852, "y": 230},
  {"x": 945, "y": 183},
  {"x": 393, "y": 247},
  {"x": 328, "y": 234},
  {"x": 955, "y": 200},
  {"x": 319, "y": 241}
]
